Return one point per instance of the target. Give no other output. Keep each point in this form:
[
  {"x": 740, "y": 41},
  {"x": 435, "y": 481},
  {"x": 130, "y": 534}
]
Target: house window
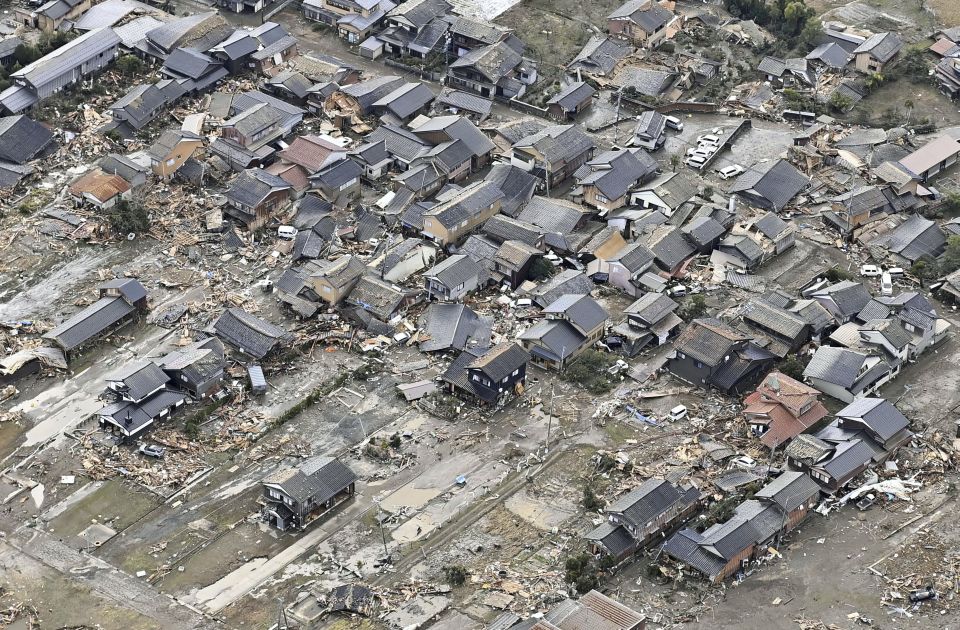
[
  {"x": 274, "y": 494},
  {"x": 326, "y": 289},
  {"x": 698, "y": 364},
  {"x": 602, "y": 198},
  {"x": 515, "y": 372}
]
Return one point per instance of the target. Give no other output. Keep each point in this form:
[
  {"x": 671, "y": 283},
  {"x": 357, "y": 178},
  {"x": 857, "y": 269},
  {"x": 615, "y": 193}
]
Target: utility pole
[
  {"x": 546, "y": 447},
  {"x": 383, "y": 536},
  {"x": 281, "y": 615}
]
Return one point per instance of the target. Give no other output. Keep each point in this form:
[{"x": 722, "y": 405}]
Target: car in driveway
[
  {"x": 730, "y": 171},
  {"x": 870, "y": 271},
  {"x": 695, "y": 161}
]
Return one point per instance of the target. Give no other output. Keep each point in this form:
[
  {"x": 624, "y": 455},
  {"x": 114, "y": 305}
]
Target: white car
[
  {"x": 678, "y": 413},
  {"x": 870, "y": 271},
  {"x": 673, "y": 123},
  {"x": 695, "y": 161},
  {"x": 730, "y": 171},
  {"x": 708, "y": 139},
  {"x": 886, "y": 285}
]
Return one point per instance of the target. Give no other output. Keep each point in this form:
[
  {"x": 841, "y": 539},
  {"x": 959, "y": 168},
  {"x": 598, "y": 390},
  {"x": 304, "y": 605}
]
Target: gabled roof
[
  {"x": 831, "y": 54},
  {"x": 774, "y": 318},
  {"x": 652, "y": 307},
  {"x": 183, "y": 31},
  {"x": 882, "y": 46},
  {"x": 669, "y": 246},
  {"x": 516, "y": 184},
  {"x": 455, "y": 270},
  {"x": 879, "y": 415},
  {"x": 312, "y": 152},
  {"x": 614, "y": 173},
  {"x": 99, "y": 185},
  {"x": 500, "y": 361},
  {"x": 709, "y": 340},
  {"x": 248, "y": 333},
  {"x": 778, "y": 182},
  {"x": 90, "y": 322},
  {"x": 318, "y": 478},
  {"x": 916, "y": 238},
  {"x": 567, "y": 281},
  {"x": 580, "y": 310},
  {"x": 703, "y": 230},
  {"x": 789, "y": 491},
  {"x": 457, "y": 326},
  {"x": 569, "y": 97},
  {"x": 67, "y": 57},
  {"x": 674, "y": 189},
  {"x": 850, "y": 297},
  {"x": 466, "y": 203},
  {"x": 420, "y": 12},
  {"x": 406, "y": 100},
  {"x": 495, "y": 61},
  {"x": 553, "y": 215},
  {"x": 647, "y": 14},
  {"x": 558, "y": 143},
  {"x": 634, "y": 257},
  {"x": 139, "y": 378},
  {"x": 600, "y": 55},
  {"x": 838, "y": 366},
  {"x": 252, "y": 186},
  {"x": 22, "y": 139}
]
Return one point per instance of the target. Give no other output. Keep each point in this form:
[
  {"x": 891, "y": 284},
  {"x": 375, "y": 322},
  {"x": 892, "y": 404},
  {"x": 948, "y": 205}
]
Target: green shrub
[{"x": 456, "y": 575}]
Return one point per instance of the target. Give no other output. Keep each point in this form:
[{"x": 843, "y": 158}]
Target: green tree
[
  {"x": 811, "y": 34},
  {"x": 839, "y": 102},
  {"x": 25, "y": 54},
  {"x": 541, "y": 269},
  {"x": 874, "y": 81},
  {"x": 950, "y": 261},
  {"x": 692, "y": 307},
  {"x": 130, "y": 65},
  {"x": 951, "y": 204},
  {"x": 925, "y": 270},
  {"x": 590, "y": 501},
  {"x": 793, "y": 367},
  {"x": 675, "y": 161},
  {"x": 456, "y": 575},
  {"x": 128, "y": 216}
]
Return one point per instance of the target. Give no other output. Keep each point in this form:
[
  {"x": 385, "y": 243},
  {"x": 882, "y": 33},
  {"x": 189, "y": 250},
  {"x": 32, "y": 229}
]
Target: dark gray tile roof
[
  {"x": 614, "y": 173},
  {"x": 614, "y": 538},
  {"x": 669, "y": 246},
  {"x": 552, "y": 215},
  {"x": 883, "y": 46},
  {"x": 916, "y": 238},
  {"x": 708, "y": 341},
  {"x": 650, "y": 499},
  {"x": 580, "y": 310},
  {"x": 634, "y": 257},
  {"x": 567, "y": 281},
  {"x": 773, "y": 66},
  {"x": 22, "y": 139},
  {"x": 850, "y": 297},
  {"x": 189, "y": 63},
  {"x": 880, "y": 415},
  {"x": 399, "y": 142},
  {"x": 556, "y": 339},
  {"x": 495, "y": 61},
  {"x": 466, "y": 204},
  {"x": 703, "y": 230},
  {"x": 559, "y": 143},
  {"x": 420, "y": 12},
  {"x": 481, "y": 249},
  {"x": 830, "y": 53},
  {"x": 319, "y": 478},
  {"x": 90, "y": 322},
  {"x": 771, "y": 226},
  {"x": 248, "y": 333},
  {"x": 572, "y": 95},
  {"x": 503, "y": 228},
  {"x": 377, "y": 296},
  {"x": 687, "y": 546},
  {"x": 600, "y": 55},
  {"x": 372, "y": 90},
  {"x": 789, "y": 490},
  {"x": 516, "y": 184},
  {"x": 500, "y": 361},
  {"x": 778, "y": 182},
  {"x": 252, "y": 186},
  {"x": 406, "y": 100},
  {"x": 465, "y": 101},
  {"x": 140, "y": 378},
  {"x": 455, "y": 270},
  {"x": 770, "y": 317},
  {"x": 839, "y": 366},
  {"x": 847, "y": 458},
  {"x": 278, "y": 46},
  {"x": 652, "y": 307},
  {"x": 457, "y": 326}
]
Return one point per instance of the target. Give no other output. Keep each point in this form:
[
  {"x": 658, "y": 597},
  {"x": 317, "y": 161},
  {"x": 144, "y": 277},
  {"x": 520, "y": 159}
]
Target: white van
[
  {"x": 678, "y": 413},
  {"x": 674, "y": 123},
  {"x": 886, "y": 284},
  {"x": 287, "y": 232}
]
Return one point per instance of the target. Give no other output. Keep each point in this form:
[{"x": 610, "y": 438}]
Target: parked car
[
  {"x": 287, "y": 232},
  {"x": 730, "y": 171},
  {"x": 870, "y": 271},
  {"x": 886, "y": 284},
  {"x": 152, "y": 450},
  {"x": 678, "y": 413},
  {"x": 708, "y": 139},
  {"x": 677, "y": 291},
  {"x": 744, "y": 462},
  {"x": 674, "y": 123},
  {"x": 695, "y": 161},
  {"x": 895, "y": 271}
]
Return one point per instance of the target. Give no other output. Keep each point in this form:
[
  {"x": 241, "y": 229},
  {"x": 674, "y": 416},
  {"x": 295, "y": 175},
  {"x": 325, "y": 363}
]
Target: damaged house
[
  {"x": 771, "y": 186},
  {"x": 462, "y": 212},
  {"x": 332, "y": 280},
  {"x": 573, "y": 324},
  {"x": 553, "y": 154},
  {"x": 249, "y": 334},
  {"x": 782, "y": 408},
  {"x": 645, "y": 23},
  {"x": 488, "y": 376},
  {"x": 454, "y": 278},
  {"x": 295, "y": 497},
  {"x": 122, "y": 301},
  {"x": 255, "y": 196},
  {"x": 726, "y": 549},
  {"x": 139, "y": 397},
  {"x": 607, "y": 179},
  {"x": 496, "y": 70},
  {"x": 708, "y": 353},
  {"x": 644, "y": 515},
  {"x": 847, "y": 374},
  {"x": 864, "y": 433},
  {"x": 651, "y": 320}
]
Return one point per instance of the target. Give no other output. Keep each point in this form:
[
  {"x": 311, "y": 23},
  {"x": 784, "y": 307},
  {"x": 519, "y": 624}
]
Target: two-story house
[
  {"x": 708, "y": 353},
  {"x": 651, "y": 320},
  {"x": 874, "y": 54},
  {"x": 332, "y": 280},
  {"x": 138, "y": 395},
  {"x": 572, "y": 324},
  {"x": 353, "y": 19},
  {"x": 494, "y": 70},
  {"x": 782, "y": 408},
  {"x": 488, "y": 376},
  {"x": 416, "y": 28},
  {"x": 645, "y": 514},
  {"x": 453, "y": 278},
  {"x": 461, "y": 212},
  {"x": 295, "y": 497},
  {"x": 607, "y": 179},
  {"x": 554, "y": 153},
  {"x": 646, "y": 23},
  {"x": 256, "y": 196}
]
